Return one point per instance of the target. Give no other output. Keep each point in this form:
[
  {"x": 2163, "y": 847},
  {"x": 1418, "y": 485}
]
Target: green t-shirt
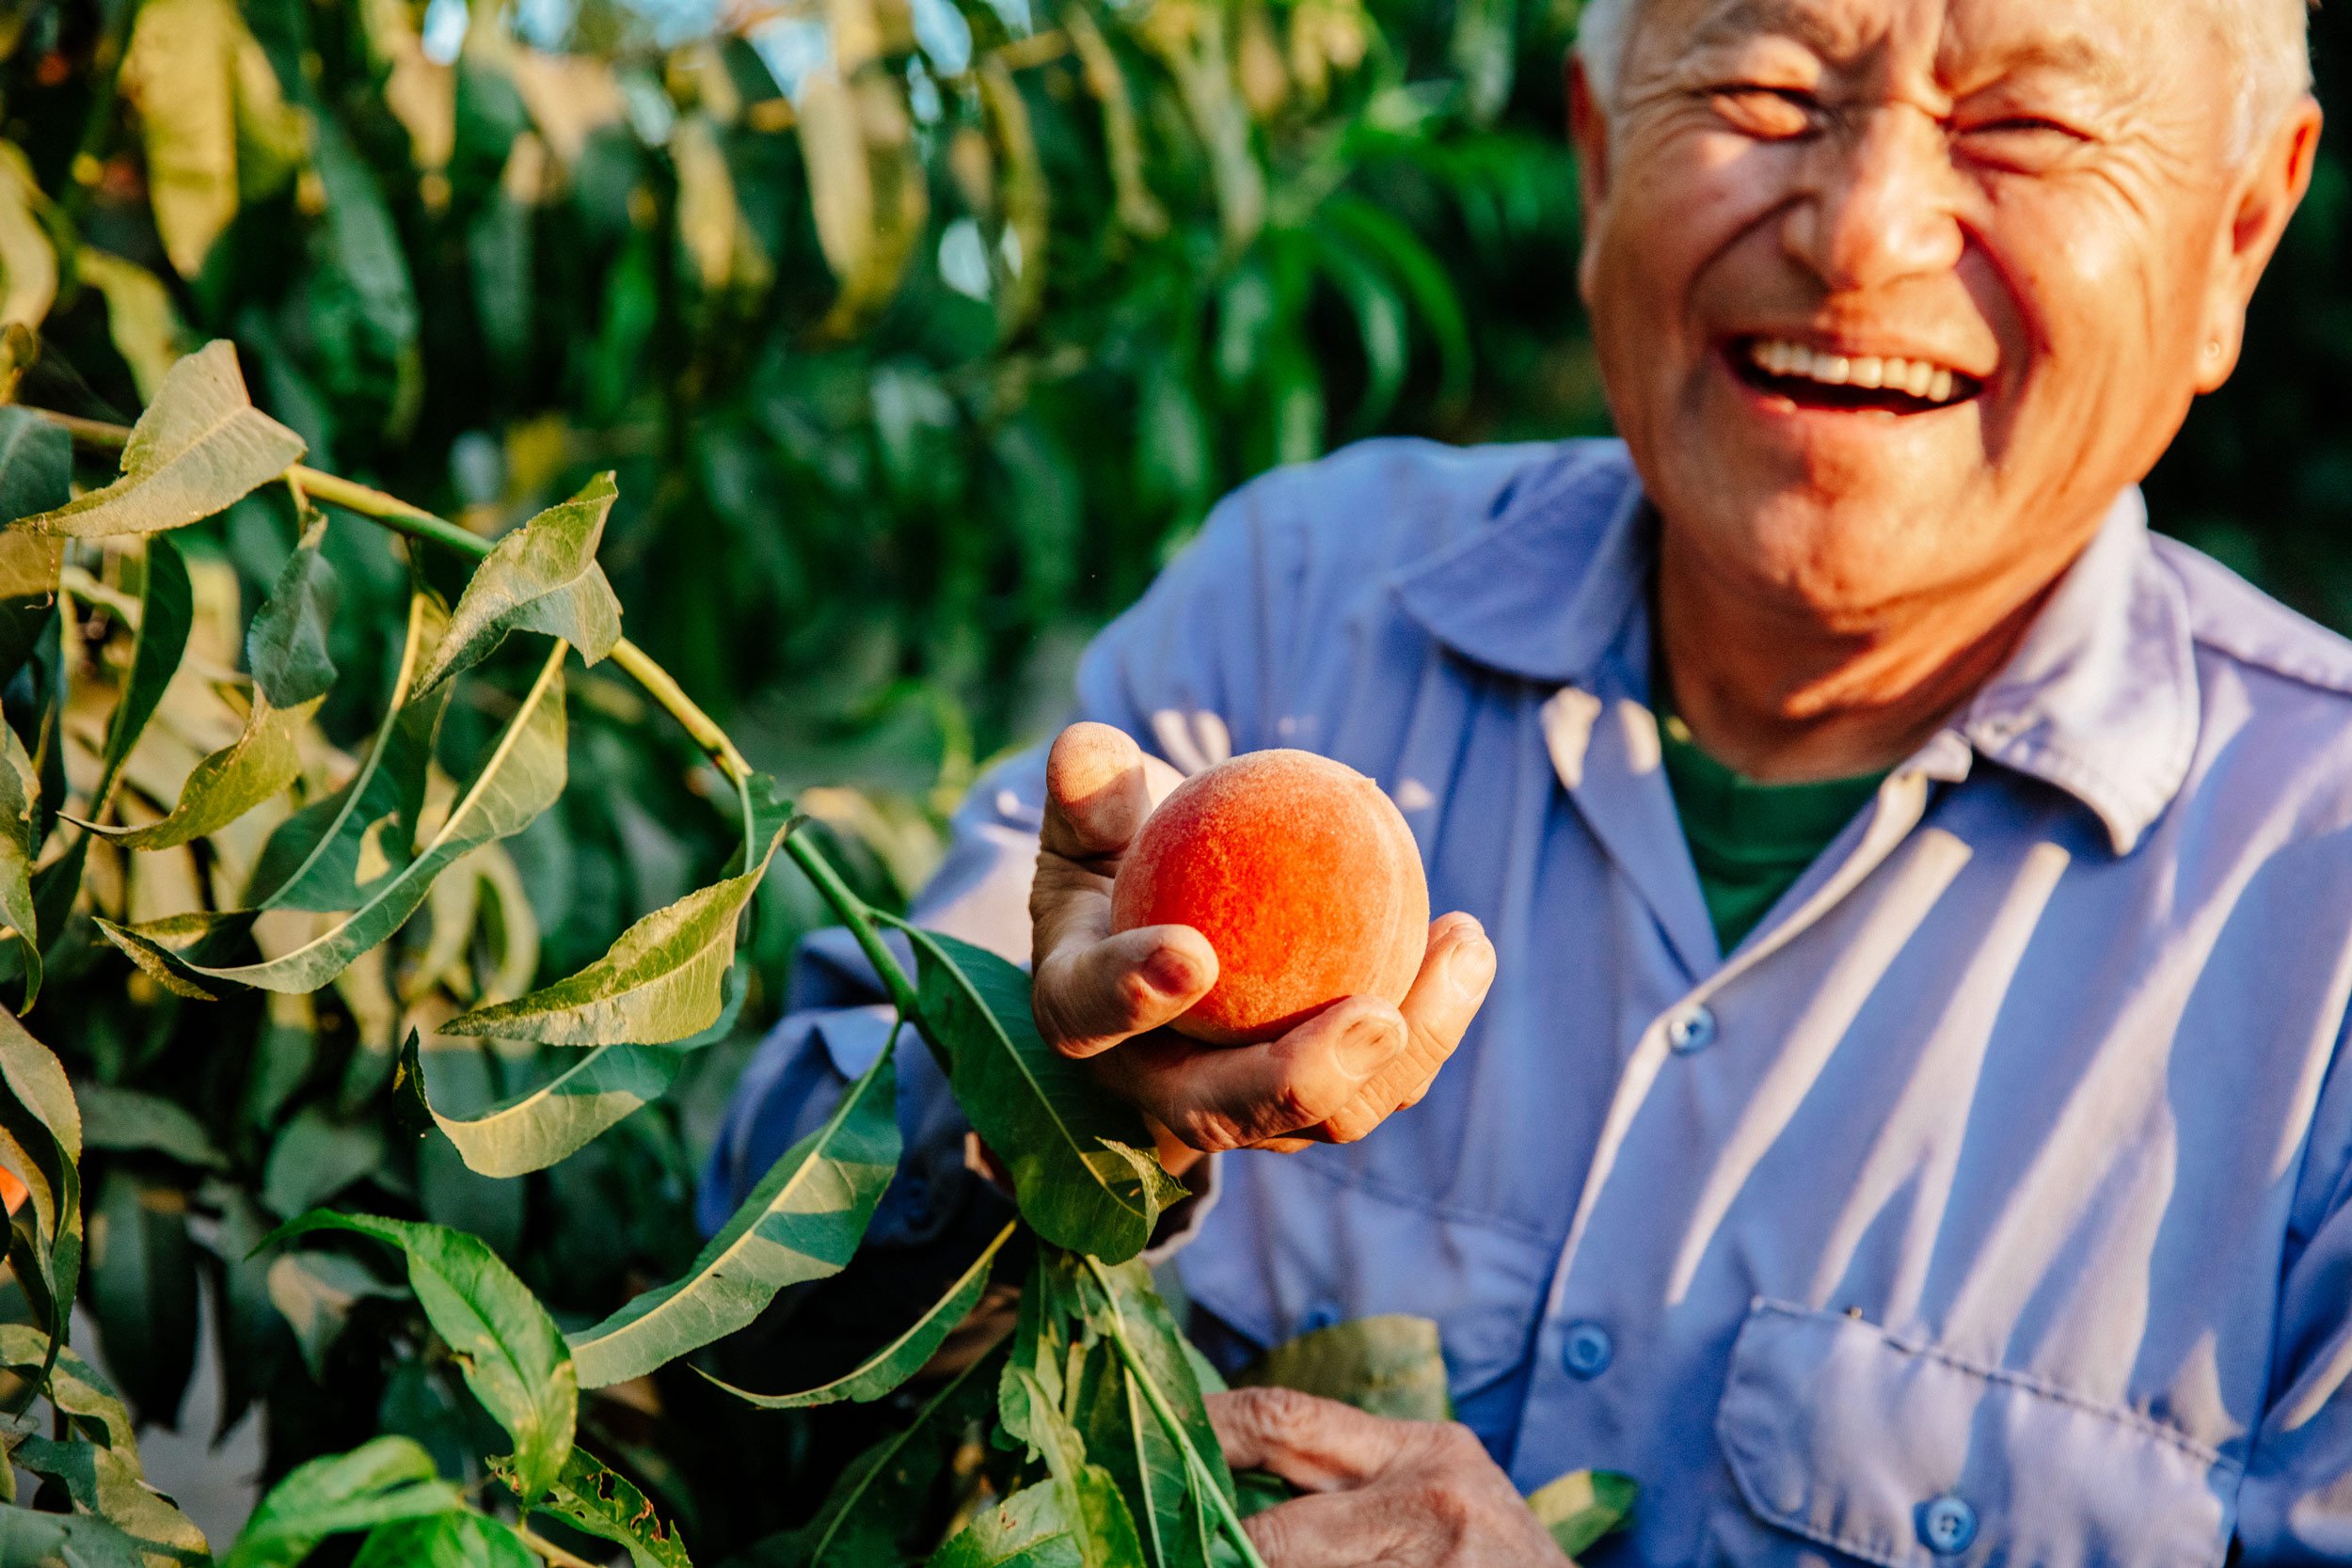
[{"x": 1750, "y": 841}]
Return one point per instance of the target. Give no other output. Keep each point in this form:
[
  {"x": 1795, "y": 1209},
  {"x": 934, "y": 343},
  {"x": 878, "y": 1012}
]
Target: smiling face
[{"x": 1893, "y": 297}]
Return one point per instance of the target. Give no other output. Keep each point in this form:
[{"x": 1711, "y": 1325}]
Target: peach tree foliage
[{"x": 303, "y": 868}]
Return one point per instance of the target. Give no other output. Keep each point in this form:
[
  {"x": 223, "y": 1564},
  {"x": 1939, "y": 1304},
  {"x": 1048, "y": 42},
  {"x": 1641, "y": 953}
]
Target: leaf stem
[
  {"x": 549, "y": 1550},
  {"x": 863, "y": 920},
  {"x": 1195, "y": 1466}
]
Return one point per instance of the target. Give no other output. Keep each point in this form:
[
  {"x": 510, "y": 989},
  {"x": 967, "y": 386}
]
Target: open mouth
[{"x": 1842, "y": 383}]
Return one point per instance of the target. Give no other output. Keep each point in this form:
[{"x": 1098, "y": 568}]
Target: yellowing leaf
[
  {"x": 866, "y": 183},
  {"x": 141, "y": 318},
  {"x": 28, "y": 263},
  {"x": 541, "y": 578},
  {"x": 206, "y": 97},
  {"x": 200, "y": 445},
  {"x": 710, "y": 222}
]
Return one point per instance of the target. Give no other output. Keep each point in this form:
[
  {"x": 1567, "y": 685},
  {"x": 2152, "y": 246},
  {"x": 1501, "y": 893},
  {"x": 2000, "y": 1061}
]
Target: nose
[{"x": 1878, "y": 205}]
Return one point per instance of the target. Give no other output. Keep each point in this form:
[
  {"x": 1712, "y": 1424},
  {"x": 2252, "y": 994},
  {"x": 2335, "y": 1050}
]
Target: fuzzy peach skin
[{"x": 1302, "y": 876}]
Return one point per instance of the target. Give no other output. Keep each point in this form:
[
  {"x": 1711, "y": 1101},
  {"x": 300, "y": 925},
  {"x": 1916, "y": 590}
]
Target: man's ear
[
  {"x": 1588, "y": 129},
  {"x": 2270, "y": 188}
]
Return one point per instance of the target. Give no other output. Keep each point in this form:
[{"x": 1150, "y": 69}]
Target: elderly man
[{"x": 1906, "y": 1124}]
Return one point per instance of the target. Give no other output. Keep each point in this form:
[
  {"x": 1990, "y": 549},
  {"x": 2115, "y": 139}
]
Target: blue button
[
  {"x": 1946, "y": 1525},
  {"x": 1692, "y": 1029},
  {"x": 1587, "y": 1350},
  {"x": 1317, "y": 1321}
]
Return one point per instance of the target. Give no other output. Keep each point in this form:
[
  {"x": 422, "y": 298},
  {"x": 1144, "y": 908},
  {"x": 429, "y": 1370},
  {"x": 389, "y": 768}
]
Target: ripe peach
[{"x": 1302, "y": 876}]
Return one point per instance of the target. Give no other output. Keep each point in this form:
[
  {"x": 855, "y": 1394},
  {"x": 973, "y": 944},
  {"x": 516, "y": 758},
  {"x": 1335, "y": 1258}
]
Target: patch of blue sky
[{"x": 791, "y": 47}]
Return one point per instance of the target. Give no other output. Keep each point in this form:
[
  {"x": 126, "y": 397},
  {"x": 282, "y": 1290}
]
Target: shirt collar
[{"x": 2101, "y": 700}]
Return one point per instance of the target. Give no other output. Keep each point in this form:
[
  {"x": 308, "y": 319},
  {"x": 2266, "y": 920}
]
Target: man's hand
[
  {"x": 1106, "y": 998},
  {"x": 1380, "y": 1494}
]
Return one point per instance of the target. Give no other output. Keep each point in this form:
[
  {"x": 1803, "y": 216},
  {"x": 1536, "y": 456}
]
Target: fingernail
[
  {"x": 1367, "y": 1046},
  {"x": 1471, "y": 967},
  {"x": 1168, "y": 972}
]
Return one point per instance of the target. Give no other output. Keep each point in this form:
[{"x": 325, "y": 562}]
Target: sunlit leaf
[
  {"x": 1080, "y": 1159},
  {"x": 522, "y": 776},
  {"x": 28, "y": 263},
  {"x": 542, "y": 577},
  {"x": 511, "y": 1352},
  {"x": 384, "y": 1479},
  {"x": 903, "y": 1356},
  {"x": 41, "y": 1145},
  {"x": 107, "y": 1483},
  {"x": 444, "y": 1540},
  {"x": 18, "y": 811},
  {"x": 1090, "y": 1508},
  {"x": 205, "y": 94},
  {"x": 589, "y": 1496},
  {"x": 200, "y": 445},
  {"x": 866, "y": 185},
  {"x": 1035, "y": 1527},
  {"x": 74, "y": 1387},
  {"x": 141, "y": 321},
  {"x": 660, "y": 982},
  {"x": 561, "y": 1117},
  {"x": 1139, "y": 210},
  {"x": 1389, "y": 1365},
  {"x": 1123, "y": 1426},
  {"x": 802, "y": 1222},
  {"x": 1580, "y": 1508}
]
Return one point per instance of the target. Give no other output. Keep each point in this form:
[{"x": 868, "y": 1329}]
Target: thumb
[{"x": 1099, "y": 787}]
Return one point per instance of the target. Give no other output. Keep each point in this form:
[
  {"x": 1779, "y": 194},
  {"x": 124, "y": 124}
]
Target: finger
[
  {"x": 1090, "y": 996},
  {"x": 1377, "y": 1528},
  {"x": 1456, "y": 975},
  {"x": 1217, "y": 1097},
  {"x": 1320, "y": 1445},
  {"x": 1099, "y": 788}
]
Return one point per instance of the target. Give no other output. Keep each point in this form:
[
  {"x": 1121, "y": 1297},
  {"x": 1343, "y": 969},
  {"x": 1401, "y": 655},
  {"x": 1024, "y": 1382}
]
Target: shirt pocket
[
  {"x": 1841, "y": 1434},
  {"x": 1291, "y": 1245}
]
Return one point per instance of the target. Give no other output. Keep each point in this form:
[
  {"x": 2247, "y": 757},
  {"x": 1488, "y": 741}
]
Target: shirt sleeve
[
  {"x": 1183, "y": 671},
  {"x": 2296, "y": 1504}
]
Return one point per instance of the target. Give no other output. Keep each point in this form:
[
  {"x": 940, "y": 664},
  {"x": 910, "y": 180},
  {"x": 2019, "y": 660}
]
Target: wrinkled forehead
[{"x": 2121, "y": 43}]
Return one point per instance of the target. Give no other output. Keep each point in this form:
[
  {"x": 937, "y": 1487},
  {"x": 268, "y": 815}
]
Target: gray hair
[{"x": 2275, "y": 34}]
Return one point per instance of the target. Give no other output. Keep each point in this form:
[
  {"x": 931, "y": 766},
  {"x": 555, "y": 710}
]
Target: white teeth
[{"x": 1916, "y": 377}]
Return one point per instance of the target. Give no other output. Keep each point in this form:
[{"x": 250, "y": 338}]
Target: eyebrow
[
  {"x": 1806, "y": 22},
  {"x": 1799, "y": 20}
]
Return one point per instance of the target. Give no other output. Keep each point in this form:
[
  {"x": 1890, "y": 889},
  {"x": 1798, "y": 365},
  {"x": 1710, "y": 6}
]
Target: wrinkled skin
[
  {"x": 1381, "y": 1493},
  {"x": 2045, "y": 199}
]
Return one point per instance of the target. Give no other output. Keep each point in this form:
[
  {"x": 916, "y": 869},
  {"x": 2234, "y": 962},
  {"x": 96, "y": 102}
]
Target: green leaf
[
  {"x": 591, "y": 1497},
  {"x": 40, "y": 1144},
  {"x": 315, "y": 858},
  {"x": 200, "y": 445},
  {"x": 803, "y": 1222},
  {"x": 1035, "y": 1527},
  {"x": 75, "y": 1387},
  {"x": 18, "y": 808},
  {"x": 444, "y": 1540},
  {"x": 1583, "y": 1508},
  {"x": 510, "y": 1350},
  {"x": 886, "y": 1492},
  {"x": 1080, "y": 1160},
  {"x": 660, "y": 982},
  {"x": 129, "y": 1120},
  {"x": 557, "y": 1119},
  {"x": 107, "y": 1483},
  {"x": 36, "y": 475},
  {"x": 1424, "y": 279},
  {"x": 541, "y": 578},
  {"x": 1124, "y": 1431},
  {"x": 316, "y": 1156},
  {"x": 1389, "y": 1365},
  {"x": 522, "y": 776},
  {"x": 287, "y": 649},
  {"x": 286, "y": 645},
  {"x": 1103, "y": 1526},
  {"x": 142, "y": 1291},
  {"x": 65, "y": 1541},
  {"x": 140, "y": 320},
  {"x": 382, "y": 1479},
  {"x": 167, "y": 611},
  {"x": 903, "y": 1356}
]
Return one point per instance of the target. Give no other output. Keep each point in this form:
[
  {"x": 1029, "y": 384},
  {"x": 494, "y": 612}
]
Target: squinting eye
[
  {"x": 1773, "y": 113},
  {"x": 2022, "y": 139}
]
